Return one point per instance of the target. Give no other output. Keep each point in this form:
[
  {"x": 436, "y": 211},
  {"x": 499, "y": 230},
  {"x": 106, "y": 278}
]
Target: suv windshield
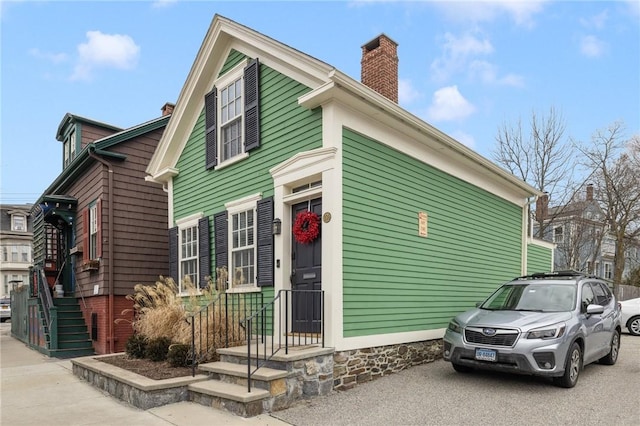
[{"x": 532, "y": 297}]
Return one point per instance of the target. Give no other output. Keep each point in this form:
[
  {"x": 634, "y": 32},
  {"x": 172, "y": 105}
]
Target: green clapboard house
[{"x": 294, "y": 177}]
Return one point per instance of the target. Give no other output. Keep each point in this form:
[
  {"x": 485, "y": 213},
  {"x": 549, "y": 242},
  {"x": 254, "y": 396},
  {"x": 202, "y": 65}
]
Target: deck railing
[{"x": 48, "y": 308}]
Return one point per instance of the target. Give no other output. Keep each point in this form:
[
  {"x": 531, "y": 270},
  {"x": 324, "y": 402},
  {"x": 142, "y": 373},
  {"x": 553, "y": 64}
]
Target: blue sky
[{"x": 465, "y": 68}]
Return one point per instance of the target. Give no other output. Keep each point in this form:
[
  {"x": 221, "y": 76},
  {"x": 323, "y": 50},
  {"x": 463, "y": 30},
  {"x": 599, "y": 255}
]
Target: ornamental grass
[{"x": 159, "y": 311}]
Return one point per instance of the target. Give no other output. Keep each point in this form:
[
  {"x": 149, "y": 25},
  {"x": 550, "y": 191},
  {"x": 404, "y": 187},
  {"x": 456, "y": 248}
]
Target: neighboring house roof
[
  {"x": 83, "y": 160},
  {"x": 70, "y": 118},
  {"x": 576, "y": 208},
  {"x": 326, "y": 82}
]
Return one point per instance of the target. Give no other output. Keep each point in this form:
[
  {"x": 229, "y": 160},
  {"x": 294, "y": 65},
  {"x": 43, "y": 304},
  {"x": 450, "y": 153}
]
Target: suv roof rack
[{"x": 557, "y": 274}]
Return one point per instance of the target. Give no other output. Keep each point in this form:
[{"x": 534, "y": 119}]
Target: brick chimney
[
  {"x": 589, "y": 192},
  {"x": 380, "y": 66},
  {"x": 542, "y": 207},
  {"x": 167, "y": 108}
]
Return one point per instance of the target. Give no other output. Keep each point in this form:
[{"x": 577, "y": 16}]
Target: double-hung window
[
  {"x": 18, "y": 222},
  {"x": 243, "y": 249},
  {"x": 232, "y": 125},
  {"x": 231, "y": 120},
  {"x": 93, "y": 231},
  {"x": 558, "y": 235},
  {"x": 189, "y": 251}
]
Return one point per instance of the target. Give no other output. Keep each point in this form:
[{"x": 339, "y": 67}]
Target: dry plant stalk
[{"x": 160, "y": 311}]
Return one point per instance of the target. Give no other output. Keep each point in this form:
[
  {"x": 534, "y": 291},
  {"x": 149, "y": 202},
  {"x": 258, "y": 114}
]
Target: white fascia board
[
  {"x": 379, "y": 109},
  {"x": 223, "y": 36}
]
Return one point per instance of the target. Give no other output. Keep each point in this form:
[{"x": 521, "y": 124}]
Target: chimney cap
[{"x": 375, "y": 42}]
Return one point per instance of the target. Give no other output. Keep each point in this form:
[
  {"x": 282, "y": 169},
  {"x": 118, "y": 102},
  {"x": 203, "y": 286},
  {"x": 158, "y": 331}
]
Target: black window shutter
[
  {"x": 252, "y": 105},
  {"x": 210, "y": 106},
  {"x": 265, "y": 242},
  {"x": 173, "y": 254},
  {"x": 221, "y": 239},
  {"x": 204, "y": 254}
]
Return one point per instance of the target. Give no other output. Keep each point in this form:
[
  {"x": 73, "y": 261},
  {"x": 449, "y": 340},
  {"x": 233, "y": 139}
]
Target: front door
[{"x": 307, "y": 275}]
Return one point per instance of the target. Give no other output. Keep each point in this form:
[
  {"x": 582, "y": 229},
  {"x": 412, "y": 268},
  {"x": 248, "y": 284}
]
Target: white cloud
[
  {"x": 456, "y": 52},
  {"x": 55, "y": 58},
  {"x": 464, "y": 138},
  {"x": 407, "y": 93},
  {"x": 592, "y": 47},
  {"x": 449, "y": 104},
  {"x": 521, "y": 12},
  {"x": 163, "y": 3},
  {"x": 488, "y": 74},
  {"x": 105, "y": 51},
  {"x": 596, "y": 21}
]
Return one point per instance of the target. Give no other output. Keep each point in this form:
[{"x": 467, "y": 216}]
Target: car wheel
[
  {"x": 572, "y": 367},
  {"x": 461, "y": 368},
  {"x": 612, "y": 356},
  {"x": 633, "y": 325}
]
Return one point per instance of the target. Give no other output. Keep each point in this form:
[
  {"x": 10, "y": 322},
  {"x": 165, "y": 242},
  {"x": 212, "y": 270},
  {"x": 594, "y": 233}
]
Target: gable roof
[
  {"x": 84, "y": 159},
  {"x": 326, "y": 82}
]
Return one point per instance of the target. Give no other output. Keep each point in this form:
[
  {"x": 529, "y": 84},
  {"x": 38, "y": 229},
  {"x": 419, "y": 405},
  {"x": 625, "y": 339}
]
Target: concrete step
[
  {"x": 229, "y": 391},
  {"x": 238, "y": 370}
]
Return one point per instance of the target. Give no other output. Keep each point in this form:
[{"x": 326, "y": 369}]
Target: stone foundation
[{"x": 362, "y": 365}]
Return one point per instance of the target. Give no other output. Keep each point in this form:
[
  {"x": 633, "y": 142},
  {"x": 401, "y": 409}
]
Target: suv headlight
[
  {"x": 551, "y": 332},
  {"x": 455, "y": 327}
]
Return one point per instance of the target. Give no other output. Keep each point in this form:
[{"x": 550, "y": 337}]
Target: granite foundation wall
[{"x": 363, "y": 365}]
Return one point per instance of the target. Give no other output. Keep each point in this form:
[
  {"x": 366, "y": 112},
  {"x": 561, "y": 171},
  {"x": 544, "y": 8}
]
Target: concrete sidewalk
[{"x": 37, "y": 390}]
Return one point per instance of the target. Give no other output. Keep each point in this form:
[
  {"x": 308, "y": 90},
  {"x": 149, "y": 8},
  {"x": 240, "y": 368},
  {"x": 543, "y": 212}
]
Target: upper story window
[
  {"x": 232, "y": 118},
  {"x": 92, "y": 232},
  {"x": 558, "y": 234},
  {"x": 69, "y": 147},
  {"x": 18, "y": 223}
]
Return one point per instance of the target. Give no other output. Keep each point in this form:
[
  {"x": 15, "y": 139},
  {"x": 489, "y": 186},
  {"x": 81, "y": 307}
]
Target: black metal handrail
[
  {"x": 220, "y": 324},
  {"x": 304, "y": 332}
]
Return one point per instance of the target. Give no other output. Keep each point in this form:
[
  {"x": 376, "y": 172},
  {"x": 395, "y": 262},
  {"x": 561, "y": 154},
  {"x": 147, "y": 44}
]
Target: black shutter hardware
[
  {"x": 204, "y": 256},
  {"x": 210, "y": 108},
  {"x": 252, "y": 105},
  {"x": 265, "y": 242}
]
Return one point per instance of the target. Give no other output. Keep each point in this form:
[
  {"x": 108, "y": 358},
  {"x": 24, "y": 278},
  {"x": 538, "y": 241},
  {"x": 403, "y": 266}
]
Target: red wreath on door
[{"x": 306, "y": 227}]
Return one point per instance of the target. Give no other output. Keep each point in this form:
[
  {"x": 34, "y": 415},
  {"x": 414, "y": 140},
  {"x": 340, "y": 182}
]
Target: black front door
[{"x": 307, "y": 275}]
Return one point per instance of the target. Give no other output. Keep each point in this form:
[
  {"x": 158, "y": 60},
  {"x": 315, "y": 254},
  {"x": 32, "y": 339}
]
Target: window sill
[
  {"x": 244, "y": 289},
  {"x": 231, "y": 161},
  {"x": 91, "y": 265}
]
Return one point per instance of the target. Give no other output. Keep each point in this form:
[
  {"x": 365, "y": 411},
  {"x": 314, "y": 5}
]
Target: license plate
[{"x": 486, "y": 355}]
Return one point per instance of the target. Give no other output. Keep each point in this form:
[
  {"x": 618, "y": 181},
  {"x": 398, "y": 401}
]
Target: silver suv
[{"x": 548, "y": 324}]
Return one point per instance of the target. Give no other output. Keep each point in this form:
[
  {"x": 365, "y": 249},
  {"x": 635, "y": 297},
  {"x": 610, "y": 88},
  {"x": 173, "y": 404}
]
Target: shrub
[
  {"x": 178, "y": 355},
  {"x": 157, "y": 349},
  {"x": 136, "y": 346}
]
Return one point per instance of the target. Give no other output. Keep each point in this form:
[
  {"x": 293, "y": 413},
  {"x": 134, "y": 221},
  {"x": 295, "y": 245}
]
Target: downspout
[
  {"x": 527, "y": 229},
  {"x": 110, "y": 316}
]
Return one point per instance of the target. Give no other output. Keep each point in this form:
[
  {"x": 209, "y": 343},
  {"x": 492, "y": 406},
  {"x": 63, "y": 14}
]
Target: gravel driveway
[{"x": 433, "y": 394}]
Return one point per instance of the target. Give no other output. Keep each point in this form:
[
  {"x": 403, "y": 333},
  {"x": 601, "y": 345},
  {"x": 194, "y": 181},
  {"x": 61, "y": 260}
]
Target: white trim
[
  {"x": 222, "y": 36},
  {"x": 243, "y": 204},
  {"x": 350, "y": 343},
  {"x": 232, "y": 160},
  {"x": 235, "y": 207},
  {"x": 190, "y": 220}
]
